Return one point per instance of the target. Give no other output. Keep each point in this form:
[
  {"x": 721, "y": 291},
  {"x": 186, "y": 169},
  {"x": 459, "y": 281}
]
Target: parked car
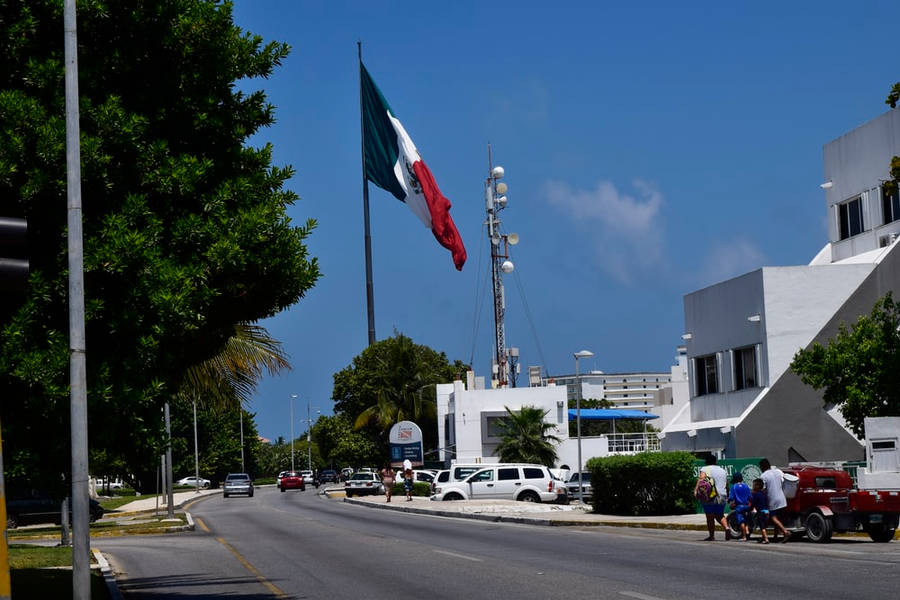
[
  {"x": 39, "y": 507},
  {"x": 361, "y": 484},
  {"x": 586, "y": 489},
  {"x": 238, "y": 483},
  {"x": 523, "y": 482},
  {"x": 192, "y": 481},
  {"x": 329, "y": 476},
  {"x": 292, "y": 480}
]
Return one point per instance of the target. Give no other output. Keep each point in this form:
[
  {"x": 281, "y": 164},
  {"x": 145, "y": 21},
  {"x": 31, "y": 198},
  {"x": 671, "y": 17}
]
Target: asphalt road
[{"x": 301, "y": 545}]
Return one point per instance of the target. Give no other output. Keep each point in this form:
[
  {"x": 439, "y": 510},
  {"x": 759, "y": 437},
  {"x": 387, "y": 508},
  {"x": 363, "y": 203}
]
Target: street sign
[{"x": 405, "y": 439}]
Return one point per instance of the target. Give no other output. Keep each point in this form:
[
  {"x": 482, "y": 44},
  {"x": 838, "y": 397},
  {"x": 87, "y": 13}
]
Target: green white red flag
[{"x": 394, "y": 165}]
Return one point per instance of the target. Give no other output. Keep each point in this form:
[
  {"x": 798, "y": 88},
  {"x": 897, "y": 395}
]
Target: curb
[{"x": 109, "y": 578}]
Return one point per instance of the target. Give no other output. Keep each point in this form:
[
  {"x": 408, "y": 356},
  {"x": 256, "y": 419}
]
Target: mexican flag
[{"x": 394, "y": 164}]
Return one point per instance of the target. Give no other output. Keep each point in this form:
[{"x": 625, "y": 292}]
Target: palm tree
[
  {"x": 405, "y": 386},
  {"x": 231, "y": 375},
  {"x": 526, "y": 437}
]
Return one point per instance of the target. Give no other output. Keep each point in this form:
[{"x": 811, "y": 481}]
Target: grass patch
[
  {"x": 51, "y": 583},
  {"x": 265, "y": 481},
  {"x": 27, "y": 556},
  {"x": 116, "y": 501}
]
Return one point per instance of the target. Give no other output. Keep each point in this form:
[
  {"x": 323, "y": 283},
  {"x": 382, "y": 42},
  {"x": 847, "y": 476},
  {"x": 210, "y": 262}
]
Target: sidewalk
[
  {"x": 154, "y": 504},
  {"x": 524, "y": 512}
]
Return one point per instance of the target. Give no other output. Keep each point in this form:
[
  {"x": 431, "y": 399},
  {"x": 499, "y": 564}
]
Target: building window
[
  {"x": 851, "y": 218},
  {"x": 890, "y": 204},
  {"x": 745, "y": 368},
  {"x": 707, "y": 375}
]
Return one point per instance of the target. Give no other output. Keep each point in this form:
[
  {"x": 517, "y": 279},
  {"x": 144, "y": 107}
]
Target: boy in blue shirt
[{"x": 739, "y": 500}]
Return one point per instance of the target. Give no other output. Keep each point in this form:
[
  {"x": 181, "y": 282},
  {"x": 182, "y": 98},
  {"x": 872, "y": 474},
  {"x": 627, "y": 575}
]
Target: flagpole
[{"x": 370, "y": 293}]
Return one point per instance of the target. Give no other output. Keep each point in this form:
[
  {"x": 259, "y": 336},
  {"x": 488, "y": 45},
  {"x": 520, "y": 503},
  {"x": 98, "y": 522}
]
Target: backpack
[{"x": 706, "y": 491}]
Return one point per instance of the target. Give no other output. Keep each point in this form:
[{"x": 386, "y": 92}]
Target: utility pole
[
  {"x": 170, "y": 496},
  {"x": 81, "y": 534}
]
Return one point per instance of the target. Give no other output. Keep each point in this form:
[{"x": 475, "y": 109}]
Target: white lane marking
[
  {"x": 462, "y": 556},
  {"x": 640, "y": 596}
]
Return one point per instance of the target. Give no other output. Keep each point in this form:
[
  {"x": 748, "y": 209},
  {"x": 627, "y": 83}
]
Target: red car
[{"x": 292, "y": 480}]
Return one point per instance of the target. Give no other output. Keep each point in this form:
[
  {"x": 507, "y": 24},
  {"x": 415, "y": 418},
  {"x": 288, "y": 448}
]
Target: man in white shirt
[
  {"x": 715, "y": 510},
  {"x": 773, "y": 478}
]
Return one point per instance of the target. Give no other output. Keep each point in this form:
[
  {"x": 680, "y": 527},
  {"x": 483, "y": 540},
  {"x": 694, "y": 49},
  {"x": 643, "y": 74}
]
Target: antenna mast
[{"x": 495, "y": 201}]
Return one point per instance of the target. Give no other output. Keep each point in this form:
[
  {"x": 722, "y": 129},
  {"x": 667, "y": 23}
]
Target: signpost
[{"x": 405, "y": 439}]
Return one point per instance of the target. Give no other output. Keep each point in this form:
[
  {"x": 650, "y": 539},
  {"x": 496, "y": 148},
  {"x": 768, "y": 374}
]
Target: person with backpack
[{"x": 711, "y": 491}]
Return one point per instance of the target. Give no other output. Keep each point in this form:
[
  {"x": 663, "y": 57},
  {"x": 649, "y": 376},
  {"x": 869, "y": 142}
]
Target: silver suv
[
  {"x": 524, "y": 482},
  {"x": 238, "y": 483}
]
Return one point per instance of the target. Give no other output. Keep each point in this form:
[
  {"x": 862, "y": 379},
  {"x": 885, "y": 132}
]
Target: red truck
[{"x": 825, "y": 501}]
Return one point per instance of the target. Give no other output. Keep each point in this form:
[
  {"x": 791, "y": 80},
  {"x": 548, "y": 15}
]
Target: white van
[{"x": 504, "y": 481}]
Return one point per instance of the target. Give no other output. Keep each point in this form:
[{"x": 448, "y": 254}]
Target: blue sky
[{"x": 651, "y": 149}]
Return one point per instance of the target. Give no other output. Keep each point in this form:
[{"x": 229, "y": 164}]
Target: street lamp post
[
  {"x": 577, "y": 355},
  {"x": 292, "y": 430},
  {"x": 308, "y": 437}
]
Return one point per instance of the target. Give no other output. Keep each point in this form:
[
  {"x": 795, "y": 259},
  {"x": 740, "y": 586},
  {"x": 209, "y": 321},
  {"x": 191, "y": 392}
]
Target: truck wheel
[
  {"x": 528, "y": 496},
  {"x": 452, "y": 496},
  {"x": 819, "y": 528},
  {"x": 881, "y": 534}
]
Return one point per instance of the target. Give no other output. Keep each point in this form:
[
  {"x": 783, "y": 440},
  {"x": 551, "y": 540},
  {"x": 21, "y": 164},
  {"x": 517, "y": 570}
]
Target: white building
[
  {"x": 468, "y": 417},
  {"x": 742, "y": 334}
]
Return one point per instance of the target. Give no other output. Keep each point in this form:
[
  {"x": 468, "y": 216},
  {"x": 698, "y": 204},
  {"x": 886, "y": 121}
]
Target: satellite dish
[
  {"x": 507, "y": 266},
  {"x": 497, "y": 172},
  {"x": 513, "y": 239},
  {"x": 501, "y": 188}
]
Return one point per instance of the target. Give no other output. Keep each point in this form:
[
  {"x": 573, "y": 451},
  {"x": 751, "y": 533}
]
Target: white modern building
[
  {"x": 469, "y": 415},
  {"x": 741, "y": 334}
]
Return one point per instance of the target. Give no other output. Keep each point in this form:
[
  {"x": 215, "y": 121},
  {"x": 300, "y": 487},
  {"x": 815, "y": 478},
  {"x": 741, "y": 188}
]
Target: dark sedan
[
  {"x": 329, "y": 476},
  {"x": 292, "y": 480},
  {"x": 39, "y": 507}
]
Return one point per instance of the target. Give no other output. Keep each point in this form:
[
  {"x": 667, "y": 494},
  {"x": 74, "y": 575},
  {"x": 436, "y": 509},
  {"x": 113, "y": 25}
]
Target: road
[{"x": 301, "y": 545}]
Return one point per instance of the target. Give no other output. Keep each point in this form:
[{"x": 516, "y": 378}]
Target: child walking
[
  {"x": 739, "y": 500},
  {"x": 760, "y": 504}
]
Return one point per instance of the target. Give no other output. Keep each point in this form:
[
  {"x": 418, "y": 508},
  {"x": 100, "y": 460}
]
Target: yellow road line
[
  {"x": 202, "y": 525},
  {"x": 259, "y": 576}
]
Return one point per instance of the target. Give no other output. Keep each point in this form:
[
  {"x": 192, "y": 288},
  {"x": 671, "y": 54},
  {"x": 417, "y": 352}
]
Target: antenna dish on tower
[{"x": 513, "y": 239}]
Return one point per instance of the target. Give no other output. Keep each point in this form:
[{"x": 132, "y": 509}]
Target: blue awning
[{"x": 610, "y": 414}]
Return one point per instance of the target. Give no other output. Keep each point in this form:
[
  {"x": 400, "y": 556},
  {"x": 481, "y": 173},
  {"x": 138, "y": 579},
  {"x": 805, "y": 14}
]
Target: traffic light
[{"x": 13, "y": 254}]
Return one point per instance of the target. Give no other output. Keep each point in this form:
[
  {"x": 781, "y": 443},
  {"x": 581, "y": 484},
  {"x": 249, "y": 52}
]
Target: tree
[
  {"x": 860, "y": 366},
  {"x": 891, "y": 185},
  {"x": 342, "y": 446},
  {"x": 390, "y": 381},
  {"x": 525, "y": 437},
  {"x": 186, "y": 230}
]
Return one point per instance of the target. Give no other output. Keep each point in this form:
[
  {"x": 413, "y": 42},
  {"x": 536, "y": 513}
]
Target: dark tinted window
[
  {"x": 507, "y": 473},
  {"x": 463, "y": 472},
  {"x": 486, "y": 475},
  {"x": 443, "y": 476},
  {"x": 825, "y": 482},
  {"x": 533, "y": 473}
]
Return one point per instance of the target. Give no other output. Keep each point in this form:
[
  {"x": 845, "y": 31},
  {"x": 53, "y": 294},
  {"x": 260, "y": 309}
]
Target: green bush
[
  {"x": 420, "y": 488},
  {"x": 651, "y": 483}
]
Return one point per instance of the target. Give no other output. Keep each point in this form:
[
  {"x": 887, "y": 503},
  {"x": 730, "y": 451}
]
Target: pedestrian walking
[
  {"x": 408, "y": 478},
  {"x": 387, "y": 480},
  {"x": 739, "y": 501},
  {"x": 773, "y": 478},
  {"x": 714, "y": 503},
  {"x": 759, "y": 503}
]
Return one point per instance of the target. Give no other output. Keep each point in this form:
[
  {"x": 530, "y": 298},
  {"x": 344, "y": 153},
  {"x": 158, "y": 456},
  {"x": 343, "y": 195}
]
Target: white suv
[{"x": 525, "y": 482}]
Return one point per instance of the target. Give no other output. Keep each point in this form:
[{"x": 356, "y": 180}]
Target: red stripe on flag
[{"x": 442, "y": 226}]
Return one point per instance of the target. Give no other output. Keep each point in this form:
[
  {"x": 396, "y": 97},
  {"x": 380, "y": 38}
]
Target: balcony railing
[{"x": 627, "y": 443}]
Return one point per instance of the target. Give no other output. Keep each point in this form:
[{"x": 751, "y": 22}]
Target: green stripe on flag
[{"x": 381, "y": 146}]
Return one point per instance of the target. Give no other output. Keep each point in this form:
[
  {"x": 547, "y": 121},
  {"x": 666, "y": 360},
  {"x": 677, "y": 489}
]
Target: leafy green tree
[
  {"x": 525, "y": 437},
  {"x": 860, "y": 367},
  {"x": 391, "y": 381},
  {"x": 342, "y": 446},
  {"x": 185, "y": 226}
]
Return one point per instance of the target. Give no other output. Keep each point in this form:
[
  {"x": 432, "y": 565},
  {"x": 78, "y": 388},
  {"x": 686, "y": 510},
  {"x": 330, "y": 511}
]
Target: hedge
[{"x": 650, "y": 483}]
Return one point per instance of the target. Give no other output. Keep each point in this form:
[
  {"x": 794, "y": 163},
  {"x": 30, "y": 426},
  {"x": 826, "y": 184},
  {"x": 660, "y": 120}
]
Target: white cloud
[
  {"x": 727, "y": 259},
  {"x": 627, "y": 229}
]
